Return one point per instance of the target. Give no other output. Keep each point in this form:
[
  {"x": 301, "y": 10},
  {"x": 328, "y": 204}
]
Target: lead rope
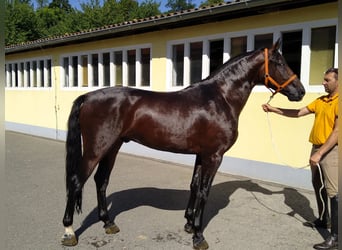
[
  {"x": 275, "y": 148},
  {"x": 320, "y": 191},
  {"x": 281, "y": 160}
]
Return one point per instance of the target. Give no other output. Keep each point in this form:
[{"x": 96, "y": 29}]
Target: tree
[
  {"x": 211, "y": 2},
  {"x": 148, "y": 8},
  {"x": 62, "y": 5},
  {"x": 129, "y": 9},
  {"x": 57, "y": 18},
  {"x": 53, "y": 21},
  {"x": 92, "y": 14},
  {"x": 24, "y": 23},
  {"x": 42, "y": 3},
  {"x": 178, "y": 5},
  {"x": 20, "y": 22}
]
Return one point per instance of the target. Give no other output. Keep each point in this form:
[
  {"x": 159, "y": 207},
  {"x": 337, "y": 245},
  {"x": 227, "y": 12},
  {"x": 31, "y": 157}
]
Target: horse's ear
[{"x": 277, "y": 44}]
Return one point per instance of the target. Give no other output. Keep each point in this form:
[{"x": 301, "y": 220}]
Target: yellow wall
[
  {"x": 272, "y": 138},
  {"x": 50, "y": 107}
]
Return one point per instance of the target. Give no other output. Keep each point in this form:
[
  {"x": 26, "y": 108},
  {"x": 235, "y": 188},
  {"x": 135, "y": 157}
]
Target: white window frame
[
  {"x": 112, "y": 72},
  {"x": 305, "y": 27},
  {"x": 25, "y": 74}
]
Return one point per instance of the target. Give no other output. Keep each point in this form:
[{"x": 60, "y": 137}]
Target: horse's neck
[{"x": 237, "y": 89}]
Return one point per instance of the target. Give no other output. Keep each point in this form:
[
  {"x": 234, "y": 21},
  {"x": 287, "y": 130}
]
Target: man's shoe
[
  {"x": 318, "y": 223},
  {"x": 330, "y": 243}
]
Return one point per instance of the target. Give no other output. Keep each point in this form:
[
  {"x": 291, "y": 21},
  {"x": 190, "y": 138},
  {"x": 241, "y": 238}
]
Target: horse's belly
[{"x": 165, "y": 142}]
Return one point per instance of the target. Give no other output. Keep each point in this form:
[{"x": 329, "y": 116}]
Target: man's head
[{"x": 330, "y": 81}]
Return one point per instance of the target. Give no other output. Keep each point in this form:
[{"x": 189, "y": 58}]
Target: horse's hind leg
[
  {"x": 102, "y": 179},
  {"x": 69, "y": 237},
  {"x": 75, "y": 196}
]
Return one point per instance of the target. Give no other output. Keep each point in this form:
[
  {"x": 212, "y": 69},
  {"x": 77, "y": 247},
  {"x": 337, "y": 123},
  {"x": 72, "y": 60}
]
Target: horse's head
[{"x": 279, "y": 77}]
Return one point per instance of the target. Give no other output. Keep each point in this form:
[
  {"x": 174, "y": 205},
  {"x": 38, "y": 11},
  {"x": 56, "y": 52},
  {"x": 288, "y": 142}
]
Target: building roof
[{"x": 196, "y": 16}]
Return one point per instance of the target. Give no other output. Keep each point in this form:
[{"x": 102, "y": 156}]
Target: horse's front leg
[
  {"x": 102, "y": 179},
  {"x": 208, "y": 172},
  {"x": 195, "y": 183},
  {"x": 202, "y": 194}
]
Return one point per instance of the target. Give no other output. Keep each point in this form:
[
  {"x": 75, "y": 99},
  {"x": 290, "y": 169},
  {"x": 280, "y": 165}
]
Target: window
[
  {"x": 145, "y": 66},
  {"x": 322, "y": 52},
  {"x": 84, "y": 65},
  {"x": 292, "y": 50},
  {"x": 95, "y": 69},
  {"x": 106, "y": 69},
  {"x": 28, "y": 74},
  {"x": 40, "y": 73},
  {"x": 27, "y": 77},
  {"x": 238, "y": 45},
  {"x": 196, "y": 61},
  {"x": 74, "y": 72},
  {"x": 216, "y": 54},
  {"x": 131, "y": 58},
  {"x": 178, "y": 64},
  {"x": 129, "y": 67},
  {"x": 21, "y": 74},
  {"x": 34, "y": 73},
  {"x": 66, "y": 71},
  {"x": 263, "y": 41},
  {"x": 118, "y": 68},
  {"x": 49, "y": 73},
  {"x": 15, "y": 75},
  {"x": 308, "y": 48}
]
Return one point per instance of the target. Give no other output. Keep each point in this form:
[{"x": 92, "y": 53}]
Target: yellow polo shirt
[{"x": 326, "y": 111}]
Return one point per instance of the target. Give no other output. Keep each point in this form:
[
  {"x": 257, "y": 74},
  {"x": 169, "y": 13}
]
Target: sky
[{"x": 77, "y": 3}]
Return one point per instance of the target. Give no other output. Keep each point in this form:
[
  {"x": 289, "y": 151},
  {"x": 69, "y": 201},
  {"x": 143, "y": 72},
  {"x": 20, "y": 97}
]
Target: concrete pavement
[{"x": 148, "y": 199}]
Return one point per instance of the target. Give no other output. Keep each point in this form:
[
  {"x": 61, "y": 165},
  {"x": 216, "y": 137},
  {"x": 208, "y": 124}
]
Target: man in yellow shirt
[{"x": 324, "y": 154}]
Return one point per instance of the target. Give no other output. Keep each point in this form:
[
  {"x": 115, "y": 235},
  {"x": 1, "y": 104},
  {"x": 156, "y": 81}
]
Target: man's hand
[
  {"x": 266, "y": 107},
  {"x": 315, "y": 158}
]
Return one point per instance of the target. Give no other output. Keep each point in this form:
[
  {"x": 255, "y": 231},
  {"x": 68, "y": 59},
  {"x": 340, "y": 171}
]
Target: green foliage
[
  {"x": 62, "y": 5},
  {"x": 148, "y": 8},
  {"x": 211, "y": 2},
  {"x": 20, "y": 22},
  {"x": 178, "y": 5},
  {"x": 25, "y": 22},
  {"x": 91, "y": 15},
  {"x": 54, "y": 21}
]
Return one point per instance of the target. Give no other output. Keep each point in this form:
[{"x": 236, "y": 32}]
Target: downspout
[{"x": 56, "y": 106}]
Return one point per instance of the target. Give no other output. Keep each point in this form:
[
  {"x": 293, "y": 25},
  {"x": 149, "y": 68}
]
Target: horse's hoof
[
  {"x": 112, "y": 229},
  {"x": 69, "y": 240},
  {"x": 201, "y": 245},
  {"x": 188, "y": 228}
]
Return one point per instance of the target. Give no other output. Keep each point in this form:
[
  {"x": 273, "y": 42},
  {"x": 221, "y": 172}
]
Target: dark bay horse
[{"x": 201, "y": 119}]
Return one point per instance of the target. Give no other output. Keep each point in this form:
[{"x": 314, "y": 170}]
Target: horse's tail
[{"x": 74, "y": 183}]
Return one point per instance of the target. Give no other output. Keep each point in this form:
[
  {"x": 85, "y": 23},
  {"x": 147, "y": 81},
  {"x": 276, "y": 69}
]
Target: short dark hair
[{"x": 333, "y": 70}]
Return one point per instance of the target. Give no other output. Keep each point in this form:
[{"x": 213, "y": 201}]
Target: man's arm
[{"x": 286, "y": 112}]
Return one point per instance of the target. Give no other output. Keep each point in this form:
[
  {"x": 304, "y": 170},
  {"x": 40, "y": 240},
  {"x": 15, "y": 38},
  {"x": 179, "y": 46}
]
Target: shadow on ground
[{"x": 172, "y": 199}]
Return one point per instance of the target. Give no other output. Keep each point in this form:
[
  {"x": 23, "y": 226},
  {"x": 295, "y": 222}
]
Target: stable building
[{"x": 172, "y": 51}]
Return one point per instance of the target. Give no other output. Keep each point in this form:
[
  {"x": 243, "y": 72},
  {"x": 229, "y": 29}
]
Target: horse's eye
[{"x": 278, "y": 63}]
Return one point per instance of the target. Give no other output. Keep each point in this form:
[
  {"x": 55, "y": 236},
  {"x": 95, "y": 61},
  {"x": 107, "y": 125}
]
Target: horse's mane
[
  {"x": 233, "y": 61},
  {"x": 230, "y": 63}
]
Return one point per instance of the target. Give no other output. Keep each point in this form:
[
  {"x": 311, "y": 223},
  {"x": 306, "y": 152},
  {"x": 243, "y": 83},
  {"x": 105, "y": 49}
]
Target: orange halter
[{"x": 268, "y": 78}]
